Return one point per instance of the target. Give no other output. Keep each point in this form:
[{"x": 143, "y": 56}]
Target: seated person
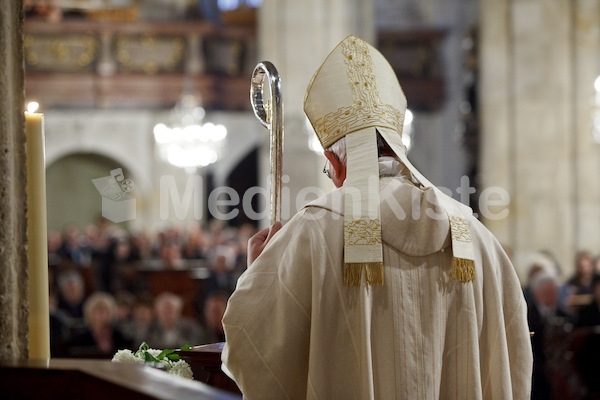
[
  {"x": 170, "y": 329},
  {"x": 142, "y": 316},
  {"x": 214, "y": 308},
  {"x": 100, "y": 339},
  {"x": 72, "y": 293},
  {"x": 578, "y": 290},
  {"x": 589, "y": 315},
  {"x": 543, "y": 313},
  {"x": 587, "y": 352},
  {"x": 125, "y": 303},
  {"x": 221, "y": 278},
  {"x": 59, "y": 327}
]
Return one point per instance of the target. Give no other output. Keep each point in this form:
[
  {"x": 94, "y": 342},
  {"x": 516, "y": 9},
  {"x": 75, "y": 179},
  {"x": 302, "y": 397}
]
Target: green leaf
[
  {"x": 140, "y": 352},
  {"x": 164, "y": 353},
  {"x": 187, "y": 347},
  {"x": 149, "y": 357},
  {"x": 173, "y": 357}
]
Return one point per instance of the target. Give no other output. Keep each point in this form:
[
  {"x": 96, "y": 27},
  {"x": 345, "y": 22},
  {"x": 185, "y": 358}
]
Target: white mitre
[{"x": 355, "y": 94}]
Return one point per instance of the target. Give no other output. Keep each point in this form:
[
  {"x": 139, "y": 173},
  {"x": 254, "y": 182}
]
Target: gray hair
[
  {"x": 96, "y": 299},
  {"x": 540, "y": 278},
  {"x": 168, "y": 297},
  {"x": 70, "y": 276},
  {"x": 339, "y": 149}
]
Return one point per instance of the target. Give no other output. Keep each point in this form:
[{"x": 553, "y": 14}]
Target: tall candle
[{"x": 39, "y": 314}]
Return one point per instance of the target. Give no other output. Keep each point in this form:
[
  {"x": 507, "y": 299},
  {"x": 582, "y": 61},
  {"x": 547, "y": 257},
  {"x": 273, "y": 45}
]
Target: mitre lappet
[{"x": 355, "y": 94}]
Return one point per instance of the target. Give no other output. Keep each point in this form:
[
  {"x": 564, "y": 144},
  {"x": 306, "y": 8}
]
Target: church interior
[{"x": 152, "y": 96}]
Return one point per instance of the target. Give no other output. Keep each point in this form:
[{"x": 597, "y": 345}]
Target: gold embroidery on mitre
[
  {"x": 459, "y": 229},
  {"x": 368, "y": 109},
  {"x": 362, "y": 232}
]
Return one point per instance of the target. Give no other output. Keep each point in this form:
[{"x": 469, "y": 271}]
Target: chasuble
[{"x": 295, "y": 331}]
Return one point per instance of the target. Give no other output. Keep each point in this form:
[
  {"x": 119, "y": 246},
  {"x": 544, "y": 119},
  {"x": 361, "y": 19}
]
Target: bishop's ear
[
  {"x": 338, "y": 174},
  {"x": 334, "y": 160}
]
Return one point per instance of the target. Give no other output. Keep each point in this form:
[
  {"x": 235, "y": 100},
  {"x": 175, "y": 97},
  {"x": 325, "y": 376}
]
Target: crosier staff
[{"x": 270, "y": 114}]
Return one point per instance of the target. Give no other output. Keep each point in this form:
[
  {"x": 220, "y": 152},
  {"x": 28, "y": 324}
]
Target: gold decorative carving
[
  {"x": 224, "y": 56},
  {"x": 148, "y": 53},
  {"x": 62, "y": 53}
]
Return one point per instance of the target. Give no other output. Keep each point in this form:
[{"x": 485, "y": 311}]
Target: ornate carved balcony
[{"x": 95, "y": 64}]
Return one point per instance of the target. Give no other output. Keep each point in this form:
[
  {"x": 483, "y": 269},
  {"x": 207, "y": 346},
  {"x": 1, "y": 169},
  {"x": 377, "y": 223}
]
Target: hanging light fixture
[
  {"x": 188, "y": 142},
  {"x": 596, "y": 112}
]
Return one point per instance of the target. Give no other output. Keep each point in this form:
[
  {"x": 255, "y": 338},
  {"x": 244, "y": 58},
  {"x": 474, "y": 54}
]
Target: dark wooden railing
[{"x": 97, "y": 380}]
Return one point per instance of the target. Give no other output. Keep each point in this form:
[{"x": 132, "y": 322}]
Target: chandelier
[{"x": 187, "y": 142}]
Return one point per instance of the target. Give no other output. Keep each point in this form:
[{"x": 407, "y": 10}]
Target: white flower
[
  {"x": 181, "y": 368},
  {"x": 154, "y": 352},
  {"x": 126, "y": 356}
]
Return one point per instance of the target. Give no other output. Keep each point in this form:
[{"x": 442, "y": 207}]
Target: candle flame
[{"x": 32, "y": 107}]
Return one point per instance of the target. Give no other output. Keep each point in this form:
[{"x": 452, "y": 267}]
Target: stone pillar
[
  {"x": 494, "y": 89},
  {"x": 586, "y": 160},
  {"x": 296, "y": 36},
  {"x": 539, "y": 62},
  {"x": 13, "y": 195}
]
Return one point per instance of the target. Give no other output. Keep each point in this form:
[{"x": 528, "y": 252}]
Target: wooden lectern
[{"x": 206, "y": 365}]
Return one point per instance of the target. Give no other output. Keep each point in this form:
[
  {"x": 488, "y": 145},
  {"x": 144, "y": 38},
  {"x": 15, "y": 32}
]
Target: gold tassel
[
  {"x": 463, "y": 270},
  {"x": 375, "y": 273},
  {"x": 353, "y": 273}
]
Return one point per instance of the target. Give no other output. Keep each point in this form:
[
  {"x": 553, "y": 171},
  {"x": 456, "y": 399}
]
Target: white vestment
[{"x": 294, "y": 331}]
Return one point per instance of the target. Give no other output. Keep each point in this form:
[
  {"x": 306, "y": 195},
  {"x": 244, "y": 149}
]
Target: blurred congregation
[
  {"x": 111, "y": 290},
  {"x": 564, "y": 318}
]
